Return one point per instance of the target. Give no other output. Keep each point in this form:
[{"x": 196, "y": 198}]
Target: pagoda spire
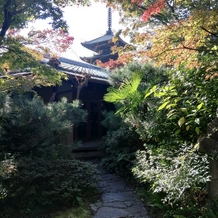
[
  {"x": 109, "y": 31},
  {"x": 103, "y": 45}
]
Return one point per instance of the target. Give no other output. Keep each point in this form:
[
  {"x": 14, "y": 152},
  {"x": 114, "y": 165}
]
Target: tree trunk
[{"x": 7, "y": 18}]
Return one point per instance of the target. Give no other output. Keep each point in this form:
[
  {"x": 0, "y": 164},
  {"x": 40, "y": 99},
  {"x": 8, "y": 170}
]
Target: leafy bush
[
  {"x": 169, "y": 111},
  {"x": 36, "y": 173},
  {"x": 37, "y": 185},
  {"x": 30, "y": 128},
  {"x": 169, "y": 172},
  {"x": 120, "y": 146}
]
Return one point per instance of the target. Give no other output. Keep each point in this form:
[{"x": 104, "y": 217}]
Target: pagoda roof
[
  {"x": 103, "y": 42},
  {"x": 105, "y": 38},
  {"x": 96, "y": 44},
  {"x": 102, "y": 57}
]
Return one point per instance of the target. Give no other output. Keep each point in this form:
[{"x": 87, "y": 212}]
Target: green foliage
[
  {"x": 111, "y": 122},
  {"x": 30, "y": 128},
  {"x": 126, "y": 91},
  {"x": 211, "y": 209},
  {"x": 147, "y": 72},
  {"x": 120, "y": 147},
  {"x": 189, "y": 100},
  {"x": 82, "y": 211},
  {"x": 39, "y": 185},
  {"x": 36, "y": 173},
  {"x": 16, "y": 54},
  {"x": 129, "y": 92},
  {"x": 16, "y": 15},
  {"x": 170, "y": 115},
  {"x": 169, "y": 171}
]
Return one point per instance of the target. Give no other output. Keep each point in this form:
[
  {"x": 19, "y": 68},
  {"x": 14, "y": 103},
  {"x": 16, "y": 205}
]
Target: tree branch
[
  {"x": 8, "y": 16},
  {"x": 183, "y": 47},
  {"x": 140, "y": 7},
  {"x": 14, "y": 51},
  {"x": 81, "y": 84},
  {"x": 213, "y": 34},
  {"x": 171, "y": 7}
]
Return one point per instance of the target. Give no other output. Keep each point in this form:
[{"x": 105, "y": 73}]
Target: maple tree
[
  {"x": 23, "y": 53},
  {"x": 123, "y": 59},
  {"x": 172, "y": 33},
  {"x": 180, "y": 36}
]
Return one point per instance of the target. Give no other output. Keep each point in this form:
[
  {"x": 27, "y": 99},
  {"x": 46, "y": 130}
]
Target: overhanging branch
[
  {"x": 213, "y": 34},
  {"x": 181, "y": 48}
]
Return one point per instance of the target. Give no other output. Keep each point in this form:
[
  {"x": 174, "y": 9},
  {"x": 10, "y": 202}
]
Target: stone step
[
  {"x": 87, "y": 154},
  {"x": 87, "y": 150}
]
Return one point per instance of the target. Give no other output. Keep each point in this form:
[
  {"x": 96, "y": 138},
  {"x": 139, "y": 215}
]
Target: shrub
[
  {"x": 38, "y": 185},
  {"x": 120, "y": 146},
  {"x": 170, "y": 172},
  {"x": 34, "y": 176},
  {"x": 170, "y": 111}
]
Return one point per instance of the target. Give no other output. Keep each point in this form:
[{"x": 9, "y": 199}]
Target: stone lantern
[{"x": 209, "y": 145}]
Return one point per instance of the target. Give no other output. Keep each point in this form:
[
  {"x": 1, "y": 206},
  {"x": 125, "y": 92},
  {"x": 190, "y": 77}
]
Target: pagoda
[{"x": 102, "y": 45}]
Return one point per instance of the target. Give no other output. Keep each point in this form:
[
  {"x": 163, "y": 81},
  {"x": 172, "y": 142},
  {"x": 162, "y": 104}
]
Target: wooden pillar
[
  {"x": 99, "y": 118},
  {"x": 88, "y": 121}
]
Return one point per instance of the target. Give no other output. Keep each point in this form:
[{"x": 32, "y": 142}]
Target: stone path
[{"x": 117, "y": 200}]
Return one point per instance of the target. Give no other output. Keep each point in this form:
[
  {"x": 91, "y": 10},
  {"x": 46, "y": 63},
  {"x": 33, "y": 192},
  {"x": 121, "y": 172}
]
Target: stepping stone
[
  {"x": 117, "y": 200},
  {"x": 111, "y": 212},
  {"x": 120, "y": 196}
]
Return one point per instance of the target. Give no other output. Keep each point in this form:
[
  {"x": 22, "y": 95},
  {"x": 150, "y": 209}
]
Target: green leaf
[
  {"x": 171, "y": 113},
  {"x": 152, "y": 90},
  {"x": 200, "y": 105},
  {"x": 197, "y": 120},
  {"x": 183, "y": 109},
  {"x": 125, "y": 92},
  {"x": 163, "y": 105},
  {"x": 177, "y": 99},
  {"x": 197, "y": 130},
  {"x": 160, "y": 94},
  {"x": 170, "y": 106},
  {"x": 181, "y": 121},
  {"x": 177, "y": 131}
]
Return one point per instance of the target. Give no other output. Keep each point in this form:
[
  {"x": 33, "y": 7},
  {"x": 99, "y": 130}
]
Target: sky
[{"x": 85, "y": 24}]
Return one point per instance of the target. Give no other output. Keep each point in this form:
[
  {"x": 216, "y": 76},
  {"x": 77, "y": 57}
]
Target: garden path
[{"x": 118, "y": 199}]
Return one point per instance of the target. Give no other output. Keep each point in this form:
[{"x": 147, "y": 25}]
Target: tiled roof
[
  {"x": 102, "y": 57},
  {"x": 72, "y": 67},
  {"x": 103, "y": 38}
]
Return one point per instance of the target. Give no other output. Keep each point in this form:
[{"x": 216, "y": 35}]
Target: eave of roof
[
  {"x": 101, "y": 39},
  {"x": 71, "y": 68},
  {"x": 101, "y": 57},
  {"x": 77, "y": 68},
  {"x": 101, "y": 43}
]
